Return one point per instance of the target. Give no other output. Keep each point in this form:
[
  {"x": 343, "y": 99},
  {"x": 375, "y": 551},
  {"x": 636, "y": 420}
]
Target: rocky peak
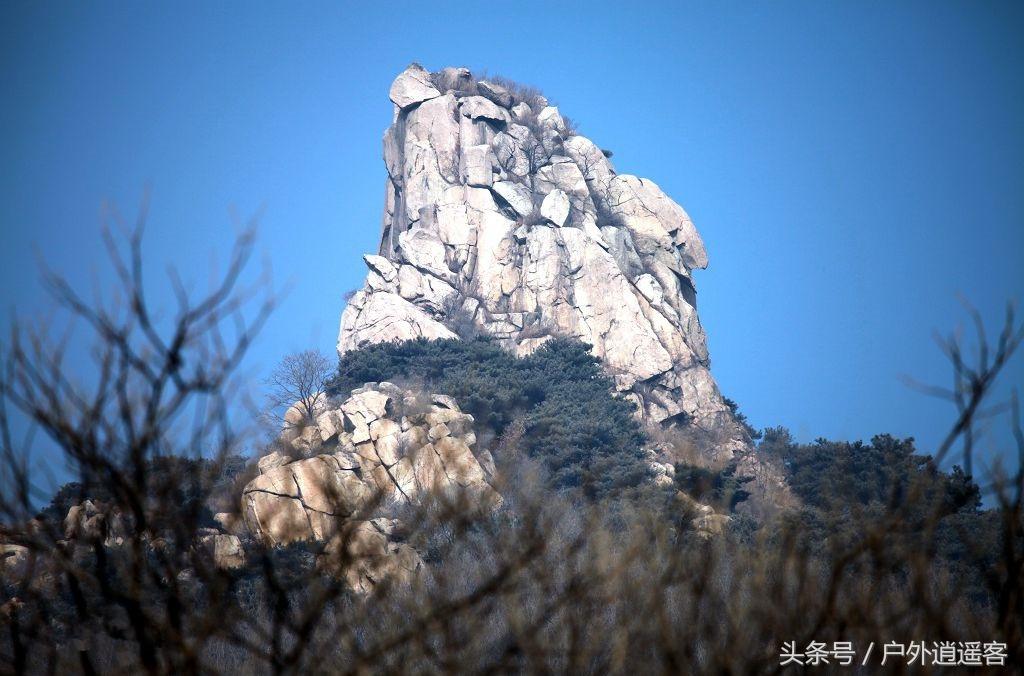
[{"x": 501, "y": 219}]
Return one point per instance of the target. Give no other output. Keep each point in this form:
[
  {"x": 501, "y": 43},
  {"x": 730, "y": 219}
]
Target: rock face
[
  {"x": 368, "y": 556},
  {"x": 15, "y": 562},
  {"x": 94, "y": 520},
  {"x": 224, "y": 549},
  {"x": 363, "y": 460},
  {"x": 377, "y": 451},
  {"x": 500, "y": 219}
]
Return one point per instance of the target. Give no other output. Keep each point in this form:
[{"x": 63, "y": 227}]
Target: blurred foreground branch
[{"x": 142, "y": 564}]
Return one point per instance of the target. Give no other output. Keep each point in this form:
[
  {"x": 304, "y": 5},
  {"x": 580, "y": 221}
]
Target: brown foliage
[{"x": 546, "y": 583}]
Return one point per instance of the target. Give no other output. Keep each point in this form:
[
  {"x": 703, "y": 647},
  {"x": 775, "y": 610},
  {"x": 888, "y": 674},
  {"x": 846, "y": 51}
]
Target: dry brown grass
[{"x": 549, "y": 582}]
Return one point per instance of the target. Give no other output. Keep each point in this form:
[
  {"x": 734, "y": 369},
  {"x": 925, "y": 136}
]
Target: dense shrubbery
[
  {"x": 583, "y": 434},
  {"x": 849, "y": 488},
  {"x": 721, "y": 488},
  {"x": 837, "y": 479},
  {"x": 191, "y": 486}
]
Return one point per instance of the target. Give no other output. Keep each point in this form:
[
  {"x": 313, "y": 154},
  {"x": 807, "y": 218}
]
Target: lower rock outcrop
[
  {"x": 381, "y": 449},
  {"x": 366, "y": 556},
  {"x": 15, "y": 562}
]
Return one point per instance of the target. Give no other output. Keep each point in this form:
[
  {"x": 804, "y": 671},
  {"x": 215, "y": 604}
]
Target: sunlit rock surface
[{"x": 500, "y": 219}]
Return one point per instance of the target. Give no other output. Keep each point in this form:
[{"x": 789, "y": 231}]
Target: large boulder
[
  {"x": 478, "y": 107},
  {"x": 655, "y": 221},
  {"x": 303, "y": 500},
  {"x": 515, "y": 151},
  {"x": 555, "y": 207},
  {"x": 495, "y": 92},
  {"x": 224, "y": 550},
  {"x": 94, "y": 521},
  {"x": 550, "y": 117},
  {"x": 395, "y": 447},
  {"x": 478, "y": 164},
  {"x": 388, "y": 449},
  {"x": 591, "y": 161},
  {"x": 15, "y": 563},
  {"x": 366, "y": 556},
  {"x": 386, "y": 317},
  {"x": 517, "y": 195},
  {"x": 412, "y": 86},
  {"x": 430, "y": 156},
  {"x": 563, "y": 175},
  {"x": 521, "y": 112},
  {"x": 272, "y": 461}
]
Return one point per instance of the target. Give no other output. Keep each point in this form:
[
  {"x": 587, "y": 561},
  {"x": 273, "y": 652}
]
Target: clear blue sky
[{"x": 851, "y": 166}]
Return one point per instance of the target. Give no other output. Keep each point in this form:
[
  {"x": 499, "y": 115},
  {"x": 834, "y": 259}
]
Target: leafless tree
[
  {"x": 533, "y": 149},
  {"x": 110, "y": 431},
  {"x": 545, "y": 583},
  {"x": 300, "y": 382}
]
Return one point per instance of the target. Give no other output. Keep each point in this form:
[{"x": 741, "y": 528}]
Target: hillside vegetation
[
  {"x": 590, "y": 562},
  {"x": 556, "y": 405}
]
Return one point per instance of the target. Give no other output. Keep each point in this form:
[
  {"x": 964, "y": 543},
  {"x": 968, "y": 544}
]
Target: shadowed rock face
[{"x": 499, "y": 219}]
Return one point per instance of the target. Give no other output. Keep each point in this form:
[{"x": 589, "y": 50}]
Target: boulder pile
[{"x": 343, "y": 477}]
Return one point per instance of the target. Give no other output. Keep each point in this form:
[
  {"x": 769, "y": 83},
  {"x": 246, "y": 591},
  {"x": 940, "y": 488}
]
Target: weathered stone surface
[
  {"x": 366, "y": 557},
  {"x": 95, "y": 520},
  {"x": 521, "y": 111},
  {"x": 550, "y": 117},
  {"x": 567, "y": 177},
  {"x": 272, "y": 460},
  {"x": 511, "y": 151},
  {"x": 611, "y": 264},
  {"x": 592, "y": 163},
  {"x": 457, "y": 224},
  {"x": 397, "y": 451},
  {"x": 478, "y": 164},
  {"x": 303, "y": 500},
  {"x": 381, "y": 266},
  {"x": 225, "y": 551},
  {"x": 402, "y": 446},
  {"x": 444, "y": 401},
  {"x": 477, "y": 107},
  {"x": 393, "y": 162},
  {"x": 495, "y": 93},
  {"x": 655, "y": 221},
  {"x": 383, "y": 318},
  {"x": 555, "y": 207},
  {"x": 430, "y": 155},
  {"x": 518, "y": 196},
  {"x": 412, "y": 86},
  {"x": 424, "y": 290},
  {"x": 15, "y": 562},
  {"x": 422, "y": 247}
]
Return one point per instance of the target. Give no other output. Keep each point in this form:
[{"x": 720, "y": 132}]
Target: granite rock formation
[
  {"x": 501, "y": 219},
  {"x": 342, "y": 480}
]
